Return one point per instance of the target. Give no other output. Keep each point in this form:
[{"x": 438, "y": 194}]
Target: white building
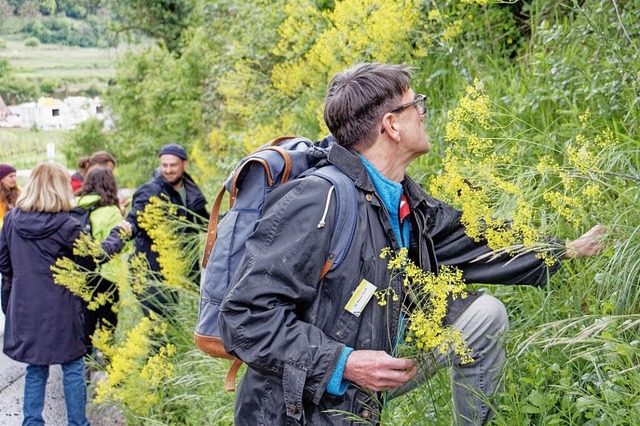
[{"x": 53, "y": 114}]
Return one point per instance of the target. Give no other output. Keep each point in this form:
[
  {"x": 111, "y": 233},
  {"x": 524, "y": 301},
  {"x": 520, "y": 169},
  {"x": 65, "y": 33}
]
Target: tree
[
  {"x": 6, "y": 11},
  {"x": 163, "y": 20},
  {"x": 156, "y": 99},
  {"x": 88, "y": 138},
  {"x": 29, "y": 10},
  {"x": 47, "y": 7},
  {"x": 15, "y": 4}
]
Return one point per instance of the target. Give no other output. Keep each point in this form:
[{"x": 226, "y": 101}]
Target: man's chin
[{"x": 172, "y": 181}]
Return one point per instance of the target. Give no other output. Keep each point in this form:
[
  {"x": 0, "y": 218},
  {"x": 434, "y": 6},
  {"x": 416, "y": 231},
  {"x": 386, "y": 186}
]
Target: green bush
[
  {"x": 47, "y": 7},
  {"x": 32, "y": 42},
  {"x": 73, "y": 9},
  {"x": 68, "y": 32},
  {"x": 15, "y": 90},
  {"x": 92, "y": 91},
  {"x": 49, "y": 86},
  {"x": 5, "y": 68}
]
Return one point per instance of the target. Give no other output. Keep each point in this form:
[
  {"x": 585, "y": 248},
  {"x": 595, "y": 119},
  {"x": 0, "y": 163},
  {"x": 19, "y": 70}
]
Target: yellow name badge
[{"x": 360, "y": 297}]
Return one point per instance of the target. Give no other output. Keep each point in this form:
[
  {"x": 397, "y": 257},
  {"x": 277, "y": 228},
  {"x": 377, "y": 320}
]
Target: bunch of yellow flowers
[{"x": 425, "y": 302}]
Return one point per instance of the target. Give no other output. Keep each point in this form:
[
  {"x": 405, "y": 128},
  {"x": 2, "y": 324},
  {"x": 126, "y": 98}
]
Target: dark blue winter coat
[
  {"x": 290, "y": 329},
  {"x": 44, "y": 322},
  {"x": 156, "y": 187}
]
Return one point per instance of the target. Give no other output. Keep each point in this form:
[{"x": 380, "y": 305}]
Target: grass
[
  {"x": 78, "y": 67},
  {"x": 24, "y": 148}
]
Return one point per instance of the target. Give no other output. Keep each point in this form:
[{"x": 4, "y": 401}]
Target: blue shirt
[{"x": 390, "y": 193}]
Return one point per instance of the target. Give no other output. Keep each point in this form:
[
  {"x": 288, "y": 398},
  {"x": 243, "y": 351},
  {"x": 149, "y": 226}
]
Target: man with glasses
[{"x": 322, "y": 352}]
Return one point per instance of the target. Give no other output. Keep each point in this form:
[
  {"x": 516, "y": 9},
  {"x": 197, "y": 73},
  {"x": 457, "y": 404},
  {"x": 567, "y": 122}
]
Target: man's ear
[
  {"x": 391, "y": 126},
  {"x": 185, "y": 163}
]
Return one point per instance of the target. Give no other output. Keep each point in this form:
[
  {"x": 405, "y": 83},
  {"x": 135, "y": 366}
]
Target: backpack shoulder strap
[
  {"x": 346, "y": 215},
  {"x": 274, "y": 158},
  {"x": 212, "y": 228}
]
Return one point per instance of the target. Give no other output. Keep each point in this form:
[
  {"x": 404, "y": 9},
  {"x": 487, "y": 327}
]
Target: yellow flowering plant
[
  {"x": 76, "y": 278},
  {"x": 178, "y": 250},
  {"x": 425, "y": 299},
  {"x": 138, "y": 366},
  {"x": 139, "y": 357},
  {"x": 506, "y": 201}
]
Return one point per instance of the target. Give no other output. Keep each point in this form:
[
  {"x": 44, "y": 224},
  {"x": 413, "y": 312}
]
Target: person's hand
[
  {"x": 589, "y": 244},
  {"x": 126, "y": 226},
  {"x": 123, "y": 203},
  {"x": 377, "y": 370}
]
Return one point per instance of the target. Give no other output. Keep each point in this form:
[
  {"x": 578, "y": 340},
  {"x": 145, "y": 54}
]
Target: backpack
[
  {"x": 258, "y": 174},
  {"x": 82, "y": 215}
]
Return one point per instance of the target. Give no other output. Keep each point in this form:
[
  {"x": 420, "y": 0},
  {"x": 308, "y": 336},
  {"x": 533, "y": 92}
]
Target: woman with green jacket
[{"x": 99, "y": 194}]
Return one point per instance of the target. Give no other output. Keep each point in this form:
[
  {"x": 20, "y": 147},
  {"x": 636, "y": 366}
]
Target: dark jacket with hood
[
  {"x": 44, "y": 323},
  {"x": 290, "y": 329},
  {"x": 196, "y": 203}
]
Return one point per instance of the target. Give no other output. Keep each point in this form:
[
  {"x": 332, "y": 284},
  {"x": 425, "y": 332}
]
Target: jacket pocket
[{"x": 347, "y": 326}]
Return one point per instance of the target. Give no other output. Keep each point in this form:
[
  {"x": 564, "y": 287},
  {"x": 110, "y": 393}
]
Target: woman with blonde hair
[
  {"x": 9, "y": 191},
  {"x": 44, "y": 320}
]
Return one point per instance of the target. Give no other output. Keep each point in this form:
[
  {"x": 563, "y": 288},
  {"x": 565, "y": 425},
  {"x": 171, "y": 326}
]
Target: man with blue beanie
[{"x": 171, "y": 180}]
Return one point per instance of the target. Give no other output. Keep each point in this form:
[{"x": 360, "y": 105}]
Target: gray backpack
[{"x": 260, "y": 172}]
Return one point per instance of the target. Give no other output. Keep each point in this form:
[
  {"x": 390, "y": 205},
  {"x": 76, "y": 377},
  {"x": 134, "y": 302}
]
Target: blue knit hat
[{"x": 173, "y": 149}]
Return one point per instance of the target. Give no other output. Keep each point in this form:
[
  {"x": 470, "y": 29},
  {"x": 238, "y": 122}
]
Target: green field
[{"x": 79, "y": 67}]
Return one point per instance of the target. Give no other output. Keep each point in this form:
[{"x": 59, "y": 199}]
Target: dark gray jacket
[
  {"x": 290, "y": 329},
  {"x": 156, "y": 187},
  {"x": 44, "y": 322}
]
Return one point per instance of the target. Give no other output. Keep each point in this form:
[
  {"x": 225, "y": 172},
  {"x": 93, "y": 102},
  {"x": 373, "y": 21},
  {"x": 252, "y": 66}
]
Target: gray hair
[{"x": 359, "y": 97}]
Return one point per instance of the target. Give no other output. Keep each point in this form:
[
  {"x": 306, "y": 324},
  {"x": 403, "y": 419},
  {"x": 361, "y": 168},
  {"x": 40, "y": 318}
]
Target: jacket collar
[{"x": 351, "y": 165}]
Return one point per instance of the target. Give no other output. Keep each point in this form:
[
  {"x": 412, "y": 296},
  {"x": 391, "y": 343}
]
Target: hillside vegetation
[
  {"x": 62, "y": 47},
  {"x": 533, "y": 118}
]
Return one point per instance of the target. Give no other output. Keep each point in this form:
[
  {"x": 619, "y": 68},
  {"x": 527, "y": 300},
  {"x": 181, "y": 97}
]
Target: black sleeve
[
  {"x": 111, "y": 245},
  {"x": 5, "y": 258},
  {"x": 139, "y": 201},
  {"x": 453, "y": 247}
]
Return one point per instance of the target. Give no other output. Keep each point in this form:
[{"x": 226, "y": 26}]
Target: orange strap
[
  {"x": 325, "y": 270},
  {"x": 212, "y": 230},
  {"x": 230, "y": 382},
  {"x": 211, "y": 345}
]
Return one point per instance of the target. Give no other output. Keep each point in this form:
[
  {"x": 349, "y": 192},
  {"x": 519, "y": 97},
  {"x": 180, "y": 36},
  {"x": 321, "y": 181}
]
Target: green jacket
[{"x": 102, "y": 220}]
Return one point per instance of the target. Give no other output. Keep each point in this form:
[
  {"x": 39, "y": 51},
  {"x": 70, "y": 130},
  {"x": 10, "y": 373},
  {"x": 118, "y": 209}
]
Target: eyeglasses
[{"x": 420, "y": 103}]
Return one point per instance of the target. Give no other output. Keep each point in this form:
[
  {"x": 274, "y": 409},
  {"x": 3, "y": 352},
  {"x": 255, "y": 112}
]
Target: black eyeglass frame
[
  {"x": 414, "y": 103},
  {"x": 419, "y": 99}
]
